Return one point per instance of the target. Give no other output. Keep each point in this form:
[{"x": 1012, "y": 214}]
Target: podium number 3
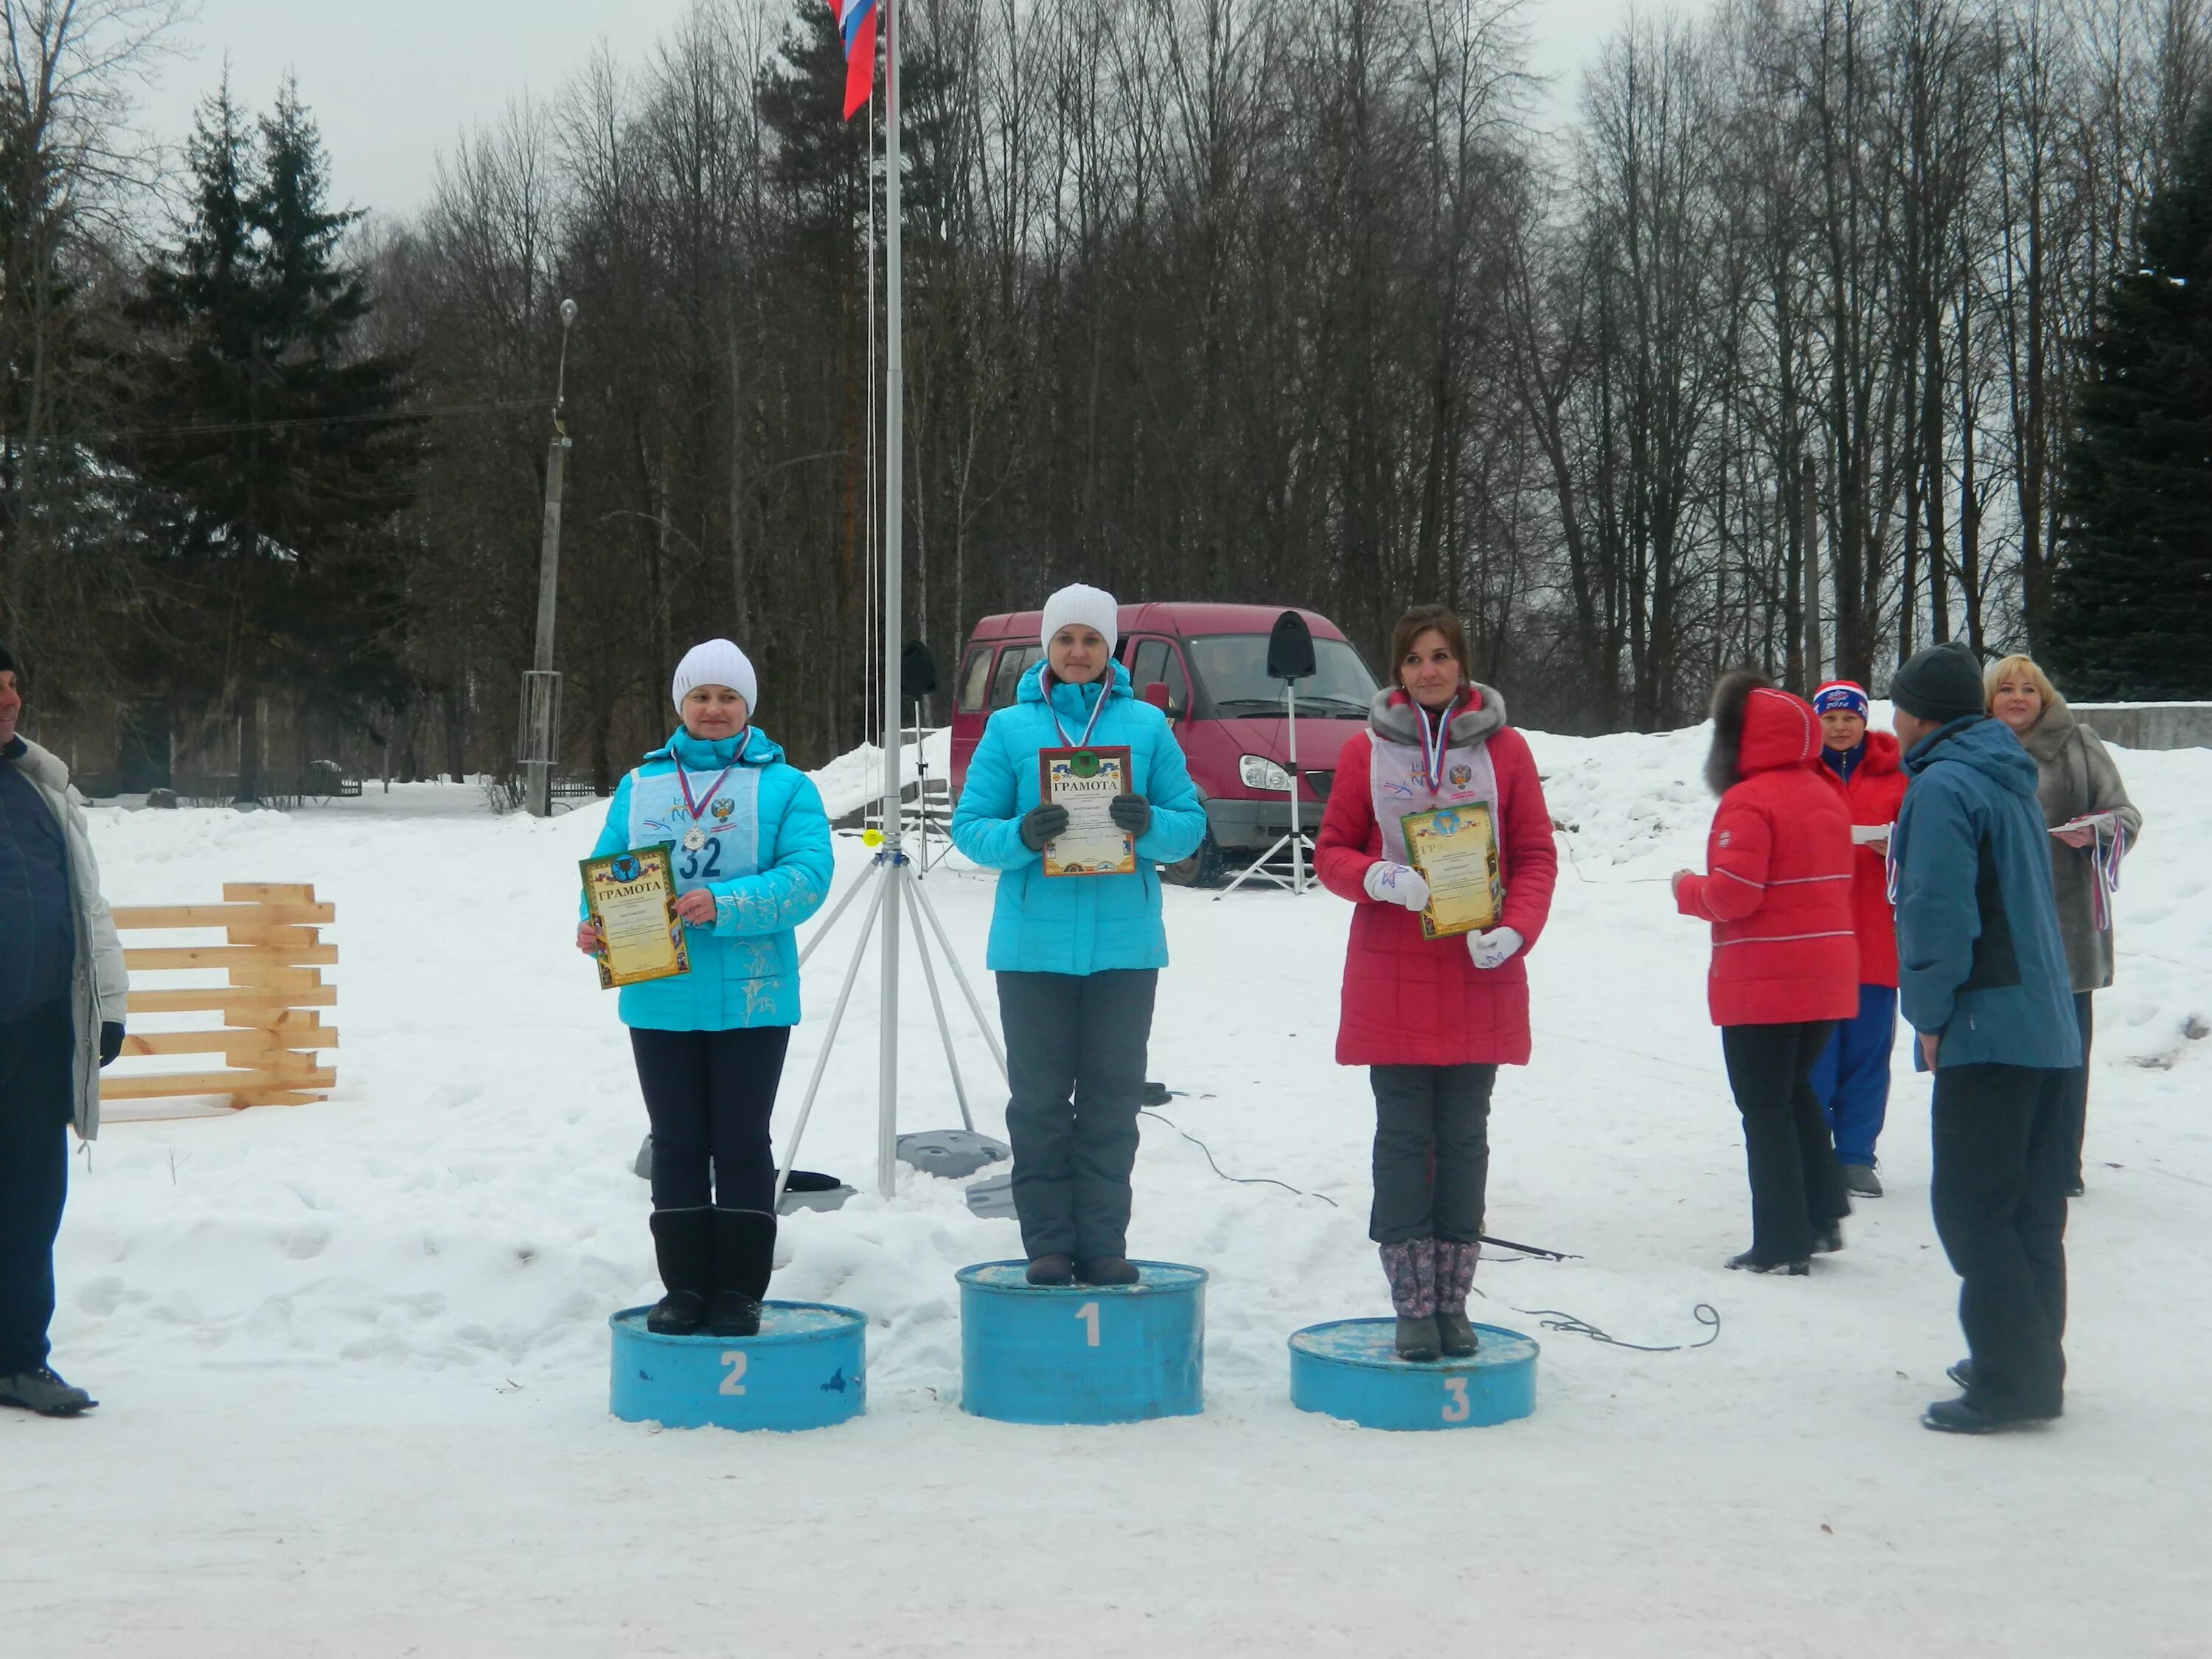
[
  {"x": 735, "y": 1383},
  {"x": 1088, "y": 1313},
  {"x": 1455, "y": 1405}
]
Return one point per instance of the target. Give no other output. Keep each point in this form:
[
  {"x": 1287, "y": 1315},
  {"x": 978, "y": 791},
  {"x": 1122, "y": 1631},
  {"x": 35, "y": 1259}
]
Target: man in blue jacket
[{"x": 1982, "y": 978}]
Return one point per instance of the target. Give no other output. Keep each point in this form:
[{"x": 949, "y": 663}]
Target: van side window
[
  {"x": 974, "y": 678},
  {"x": 1150, "y": 662},
  {"x": 1178, "y": 684},
  {"x": 1014, "y": 661}
]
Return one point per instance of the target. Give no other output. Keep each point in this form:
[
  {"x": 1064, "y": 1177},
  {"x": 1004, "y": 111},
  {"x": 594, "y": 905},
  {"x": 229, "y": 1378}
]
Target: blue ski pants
[{"x": 1851, "y": 1076}]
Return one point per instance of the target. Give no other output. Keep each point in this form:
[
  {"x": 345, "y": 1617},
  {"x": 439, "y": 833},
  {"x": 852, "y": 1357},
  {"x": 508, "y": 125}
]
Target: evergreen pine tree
[
  {"x": 2131, "y": 612},
  {"x": 277, "y": 440}
]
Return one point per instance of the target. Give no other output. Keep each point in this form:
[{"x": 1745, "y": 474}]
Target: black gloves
[
  {"x": 111, "y": 1040},
  {"x": 1131, "y": 813},
  {"x": 1041, "y": 824}
]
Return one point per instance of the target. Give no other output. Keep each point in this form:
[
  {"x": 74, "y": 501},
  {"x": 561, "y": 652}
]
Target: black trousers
[
  {"x": 37, "y": 1056},
  {"x": 1796, "y": 1186},
  {"x": 1075, "y": 1058},
  {"x": 1999, "y": 1195},
  {"x": 2070, "y": 1090},
  {"x": 1431, "y": 1151},
  {"x": 710, "y": 1095}
]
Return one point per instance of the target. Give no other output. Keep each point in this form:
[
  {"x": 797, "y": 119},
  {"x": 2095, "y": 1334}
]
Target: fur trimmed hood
[
  {"x": 1758, "y": 728},
  {"x": 1391, "y": 718}
]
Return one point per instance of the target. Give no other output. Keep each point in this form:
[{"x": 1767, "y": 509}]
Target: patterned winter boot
[
  {"x": 1455, "y": 1282},
  {"x": 1411, "y": 1268}
]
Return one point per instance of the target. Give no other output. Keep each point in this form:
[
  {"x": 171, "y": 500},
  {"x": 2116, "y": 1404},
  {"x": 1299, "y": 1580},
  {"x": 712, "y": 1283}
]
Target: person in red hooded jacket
[
  {"x": 1432, "y": 1019},
  {"x": 1851, "y": 1076},
  {"x": 1785, "y": 963}
]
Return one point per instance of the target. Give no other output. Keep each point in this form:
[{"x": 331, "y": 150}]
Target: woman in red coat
[
  {"x": 1433, "y": 1019},
  {"x": 1851, "y": 1076},
  {"x": 1777, "y": 892}
]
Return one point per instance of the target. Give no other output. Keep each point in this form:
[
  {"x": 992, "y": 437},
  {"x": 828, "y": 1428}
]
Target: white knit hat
[
  {"x": 1093, "y": 607},
  {"x": 717, "y": 662}
]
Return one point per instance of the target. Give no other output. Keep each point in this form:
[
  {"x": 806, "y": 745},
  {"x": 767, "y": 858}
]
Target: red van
[{"x": 1212, "y": 660}]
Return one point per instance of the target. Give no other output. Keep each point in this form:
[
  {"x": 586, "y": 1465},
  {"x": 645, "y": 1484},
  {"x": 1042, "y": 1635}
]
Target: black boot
[
  {"x": 683, "y": 1246},
  {"x": 1052, "y": 1269},
  {"x": 745, "y": 1255}
]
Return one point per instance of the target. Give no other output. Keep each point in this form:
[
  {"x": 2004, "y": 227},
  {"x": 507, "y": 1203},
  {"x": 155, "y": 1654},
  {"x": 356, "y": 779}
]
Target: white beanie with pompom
[{"x": 717, "y": 662}]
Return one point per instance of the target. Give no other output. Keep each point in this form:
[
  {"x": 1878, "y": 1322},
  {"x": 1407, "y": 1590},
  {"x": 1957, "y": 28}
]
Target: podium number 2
[
  {"x": 735, "y": 1359},
  {"x": 1088, "y": 1313},
  {"x": 1455, "y": 1405}
]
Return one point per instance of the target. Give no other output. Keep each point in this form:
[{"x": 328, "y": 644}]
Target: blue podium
[
  {"x": 1082, "y": 1353},
  {"x": 807, "y": 1368},
  {"x": 1348, "y": 1368}
]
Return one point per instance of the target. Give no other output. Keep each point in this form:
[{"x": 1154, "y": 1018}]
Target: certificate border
[
  {"x": 1128, "y": 864},
  {"x": 609, "y": 981},
  {"x": 1429, "y": 929}
]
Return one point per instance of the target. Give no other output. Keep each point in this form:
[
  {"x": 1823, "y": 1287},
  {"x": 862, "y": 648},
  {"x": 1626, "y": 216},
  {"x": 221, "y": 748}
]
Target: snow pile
[
  {"x": 306, "y": 1323},
  {"x": 855, "y": 779}
]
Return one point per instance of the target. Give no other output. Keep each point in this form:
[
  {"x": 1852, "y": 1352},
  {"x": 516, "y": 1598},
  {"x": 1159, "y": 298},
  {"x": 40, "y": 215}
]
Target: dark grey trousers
[
  {"x": 37, "y": 1052},
  {"x": 1431, "y": 1151},
  {"x": 1075, "y": 1058}
]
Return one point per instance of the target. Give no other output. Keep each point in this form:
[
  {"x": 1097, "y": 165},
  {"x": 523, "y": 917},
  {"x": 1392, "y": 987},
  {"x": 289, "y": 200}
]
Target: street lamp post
[{"x": 541, "y": 686}]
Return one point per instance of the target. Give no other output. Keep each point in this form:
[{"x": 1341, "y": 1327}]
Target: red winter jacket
[
  {"x": 1413, "y": 1001},
  {"x": 1779, "y": 886},
  {"x": 1872, "y": 795}
]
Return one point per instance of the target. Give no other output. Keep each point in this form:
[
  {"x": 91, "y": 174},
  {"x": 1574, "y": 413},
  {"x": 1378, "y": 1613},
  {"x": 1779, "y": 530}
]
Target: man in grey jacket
[{"x": 62, "y": 997}]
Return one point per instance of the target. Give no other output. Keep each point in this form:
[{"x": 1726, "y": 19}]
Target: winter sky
[{"x": 393, "y": 82}]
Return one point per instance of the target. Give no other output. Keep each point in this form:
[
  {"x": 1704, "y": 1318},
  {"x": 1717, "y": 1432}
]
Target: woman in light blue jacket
[
  {"x": 751, "y": 862},
  {"x": 1078, "y": 956}
]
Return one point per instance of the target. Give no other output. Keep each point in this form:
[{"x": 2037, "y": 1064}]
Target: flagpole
[{"x": 893, "y": 611}]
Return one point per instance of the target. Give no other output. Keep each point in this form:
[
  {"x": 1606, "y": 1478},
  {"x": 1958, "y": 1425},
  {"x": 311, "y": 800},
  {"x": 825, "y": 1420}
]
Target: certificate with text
[
  {"x": 1456, "y": 850},
  {"x": 632, "y": 896},
  {"x": 1085, "y": 781}
]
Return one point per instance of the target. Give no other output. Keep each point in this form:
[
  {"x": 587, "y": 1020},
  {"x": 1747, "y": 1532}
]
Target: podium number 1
[
  {"x": 1456, "y": 1402},
  {"x": 1088, "y": 1313},
  {"x": 734, "y": 1383}
]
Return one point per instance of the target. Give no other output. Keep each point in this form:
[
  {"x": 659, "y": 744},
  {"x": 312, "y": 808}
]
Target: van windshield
[{"x": 1233, "y": 669}]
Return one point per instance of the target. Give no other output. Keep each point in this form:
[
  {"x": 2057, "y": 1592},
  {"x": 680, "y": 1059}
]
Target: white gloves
[
  {"x": 1491, "y": 948},
  {"x": 1396, "y": 884}
]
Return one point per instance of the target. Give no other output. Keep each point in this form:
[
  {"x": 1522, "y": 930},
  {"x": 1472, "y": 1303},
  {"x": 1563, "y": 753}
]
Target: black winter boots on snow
[
  {"x": 43, "y": 1392},
  {"x": 715, "y": 1264}
]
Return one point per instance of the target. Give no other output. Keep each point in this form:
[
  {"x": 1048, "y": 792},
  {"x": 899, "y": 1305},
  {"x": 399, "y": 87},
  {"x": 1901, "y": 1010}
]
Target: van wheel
[{"x": 1201, "y": 869}]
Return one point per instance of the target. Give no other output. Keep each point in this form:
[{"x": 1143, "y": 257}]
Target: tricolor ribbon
[
  {"x": 1097, "y": 709},
  {"x": 683, "y": 778}
]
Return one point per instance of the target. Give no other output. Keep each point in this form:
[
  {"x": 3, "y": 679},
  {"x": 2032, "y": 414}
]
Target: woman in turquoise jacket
[
  {"x": 1077, "y": 958},
  {"x": 751, "y": 862}
]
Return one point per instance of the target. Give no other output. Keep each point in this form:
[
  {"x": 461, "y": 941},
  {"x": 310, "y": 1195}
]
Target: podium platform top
[
  {"x": 1154, "y": 1278},
  {"x": 781, "y": 1322},
  {"x": 1369, "y": 1343}
]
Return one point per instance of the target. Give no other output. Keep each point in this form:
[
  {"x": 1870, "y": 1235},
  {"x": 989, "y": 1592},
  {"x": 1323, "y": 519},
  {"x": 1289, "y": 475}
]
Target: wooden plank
[
  {"x": 267, "y": 892},
  {"x": 274, "y": 1097},
  {"x": 244, "y": 1001},
  {"x": 287, "y": 939},
  {"x": 278, "y": 980},
  {"x": 233, "y": 1041},
  {"x": 158, "y": 959},
  {"x": 170, "y": 1085},
  {"x": 130, "y": 917}
]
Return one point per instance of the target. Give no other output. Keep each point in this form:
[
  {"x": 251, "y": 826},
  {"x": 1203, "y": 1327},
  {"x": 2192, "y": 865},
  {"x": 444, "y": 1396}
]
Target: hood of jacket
[
  {"x": 1393, "y": 717},
  {"x": 41, "y": 766},
  {"x": 1984, "y": 743},
  {"x": 752, "y": 745},
  {"x": 2048, "y": 735},
  {"x": 1070, "y": 700},
  {"x": 1757, "y": 728}
]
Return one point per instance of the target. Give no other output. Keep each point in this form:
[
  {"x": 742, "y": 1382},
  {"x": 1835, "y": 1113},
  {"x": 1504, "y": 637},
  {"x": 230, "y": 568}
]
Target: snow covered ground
[{"x": 352, "y": 1356}]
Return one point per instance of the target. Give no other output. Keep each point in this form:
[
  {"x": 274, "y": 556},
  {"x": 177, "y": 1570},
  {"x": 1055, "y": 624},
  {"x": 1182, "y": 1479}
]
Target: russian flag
[{"x": 856, "y": 22}]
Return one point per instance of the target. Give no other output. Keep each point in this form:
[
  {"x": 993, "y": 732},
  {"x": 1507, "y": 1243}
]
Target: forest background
[{"x": 1777, "y": 352}]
